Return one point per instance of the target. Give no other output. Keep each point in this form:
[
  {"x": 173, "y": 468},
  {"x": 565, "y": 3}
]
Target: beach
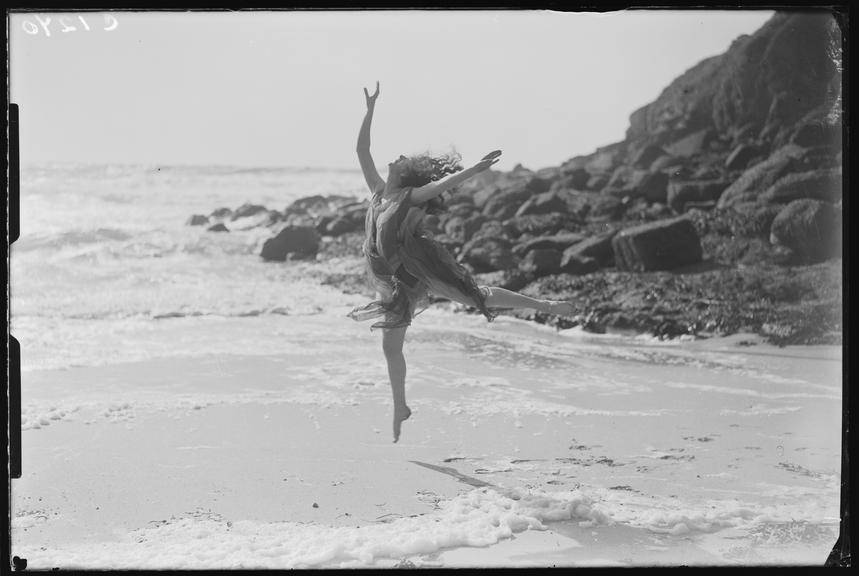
[
  {"x": 187, "y": 405},
  {"x": 526, "y": 448}
]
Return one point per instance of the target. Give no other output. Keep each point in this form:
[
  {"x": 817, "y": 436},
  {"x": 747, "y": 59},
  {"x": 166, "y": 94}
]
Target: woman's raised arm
[
  {"x": 433, "y": 189},
  {"x": 371, "y": 175}
]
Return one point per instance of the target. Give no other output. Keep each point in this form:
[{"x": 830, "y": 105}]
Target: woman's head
[{"x": 414, "y": 171}]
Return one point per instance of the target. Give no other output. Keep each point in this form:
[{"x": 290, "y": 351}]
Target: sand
[{"x": 527, "y": 447}]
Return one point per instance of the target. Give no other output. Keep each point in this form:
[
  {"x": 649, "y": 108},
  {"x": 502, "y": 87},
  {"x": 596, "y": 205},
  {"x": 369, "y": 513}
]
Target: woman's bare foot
[
  {"x": 401, "y": 414},
  {"x": 558, "y": 307}
]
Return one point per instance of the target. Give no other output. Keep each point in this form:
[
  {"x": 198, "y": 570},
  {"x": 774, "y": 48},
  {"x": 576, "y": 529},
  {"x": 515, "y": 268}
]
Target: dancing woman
[{"x": 405, "y": 264}]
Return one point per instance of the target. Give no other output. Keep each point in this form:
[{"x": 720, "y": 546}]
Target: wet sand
[{"x": 527, "y": 447}]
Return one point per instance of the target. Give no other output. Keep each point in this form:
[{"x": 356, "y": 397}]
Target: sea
[{"x": 106, "y": 267}]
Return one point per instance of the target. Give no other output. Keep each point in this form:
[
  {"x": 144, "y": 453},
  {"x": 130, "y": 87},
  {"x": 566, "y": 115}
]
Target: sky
[{"x": 264, "y": 88}]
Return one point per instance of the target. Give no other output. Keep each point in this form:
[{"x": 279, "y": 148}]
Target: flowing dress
[{"x": 405, "y": 265}]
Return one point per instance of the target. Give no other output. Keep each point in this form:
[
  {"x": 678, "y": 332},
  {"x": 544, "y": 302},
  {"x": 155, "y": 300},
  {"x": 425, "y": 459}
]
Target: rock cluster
[{"x": 736, "y": 166}]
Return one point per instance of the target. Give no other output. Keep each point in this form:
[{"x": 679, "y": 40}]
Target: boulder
[
  {"x": 455, "y": 228},
  {"x": 692, "y": 144},
  {"x": 820, "y": 157},
  {"x": 578, "y": 264},
  {"x": 571, "y": 182},
  {"x": 340, "y": 225},
  {"x": 197, "y": 220},
  {"x": 449, "y": 243},
  {"x": 597, "y": 248},
  {"x": 247, "y": 210},
  {"x": 683, "y": 192},
  {"x": 219, "y": 227},
  {"x": 657, "y": 211},
  {"x": 709, "y": 170},
  {"x": 659, "y": 245},
  {"x": 606, "y": 208},
  {"x": 462, "y": 209},
  {"x": 705, "y": 205},
  {"x": 550, "y": 173},
  {"x": 221, "y": 213},
  {"x": 575, "y": 163},
  {"x": 321, "y": 223},
  {"x": 576, "y": 179},
  {"x": 744, "y": 133},
  {"x": 544, "y": 203},
  {"x": 606, "y": 158},
  {"x": 620, "y": 193},
  {"x": 483, "y": 195},
  {"x": 293, "y": 241},
  {"x": 309, "y": 204},
  {"x": 645, "y": 157},
  {"x": 512, "y": 279},
  {"x": 252, "y": 218},
  {"x": 817, "y": 184},
  {"x": 623, "y": 176},
  {"x": 665, "y": 163},
  {"x": 273, "y": 217},
  {"x": 539, "y": 224},
  {"x": 541, "y": 262},
  {"x": 492, "y": 229},
  {"x": 472, "y": 225},
  {"x": 504, "y": 203},
  {"x": 454, "y": 199},
  {"x": 291, "y": 219},
  {"x": 482, "y": 183},
  {"x": 762, "y": 175},
  {"x": 501, "y": 208},
  {"x": 557, "y": 242},
  {"x": 653, "y": 186},
  {"x": 740, "y": 156},
  {"x": 579, "y": 204},
  {"x": 538, "y": 185},
  {"x": 597, "y": 182},
  {"x": 818, "y": 133},
  {"x": 487, "y": 253},
  {"x": 810, "y": 228}
]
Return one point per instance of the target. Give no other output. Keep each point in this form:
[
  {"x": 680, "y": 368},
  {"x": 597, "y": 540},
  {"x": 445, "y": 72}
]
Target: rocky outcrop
[
  {"x": 197, "y": 220},
  {"x": 657, "y": 246},
  {"x": 737, "y": 165},
  {"x": 487, "y": 253},
  {"x": 694, "y": 192},
  {"x": 811, "y": 229},
  {"x": 823, "y": 184},
  {"x": 541, "y": 262},
  {"x": 761, "y": 176},
  {"x": 556, "y": 242},
  {"x": 293, "y": 242},
  {"x": 544, "y": 203},
  {"x": 597, "y": 248},
  {"x": 247, "y": 210}
]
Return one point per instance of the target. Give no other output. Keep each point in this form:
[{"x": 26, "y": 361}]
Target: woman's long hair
[{"x": 422, "y": 169}]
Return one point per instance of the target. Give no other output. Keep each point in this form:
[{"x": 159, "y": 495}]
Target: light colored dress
[{"x": 405, "y": 265}]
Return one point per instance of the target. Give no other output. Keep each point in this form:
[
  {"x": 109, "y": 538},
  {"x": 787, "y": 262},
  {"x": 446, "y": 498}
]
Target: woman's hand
[
  {"x": 371, "y": 100},
  {"x": 488, "y": 161}
]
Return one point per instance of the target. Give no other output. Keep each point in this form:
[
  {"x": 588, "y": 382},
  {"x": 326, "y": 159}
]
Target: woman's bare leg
[
  {"x": 392, "y": 345},
  {"x": 502, "y": 298}
]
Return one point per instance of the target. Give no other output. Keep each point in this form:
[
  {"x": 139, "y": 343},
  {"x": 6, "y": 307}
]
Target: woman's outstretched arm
[
  {"x": 433, "y": 189},
  {"x": 371, "y": 175}
]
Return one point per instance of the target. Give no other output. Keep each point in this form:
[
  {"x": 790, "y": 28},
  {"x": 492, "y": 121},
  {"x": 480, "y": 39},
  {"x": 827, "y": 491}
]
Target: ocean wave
[
  {"x": 478, "y": 518},
  {"x": 68, "y": 238}
]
